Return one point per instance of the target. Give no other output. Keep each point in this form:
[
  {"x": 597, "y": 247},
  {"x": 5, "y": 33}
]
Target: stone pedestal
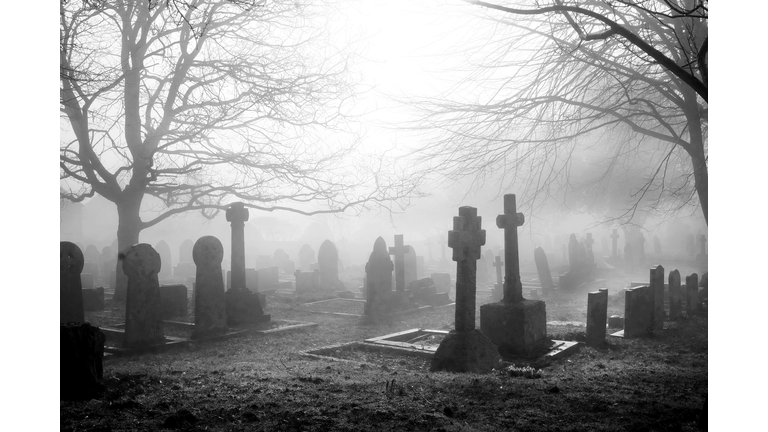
[
  {"x": 518, "y": 328},
  {"x": 244, "y": 307},
  {"x": 467, "y": 351}
]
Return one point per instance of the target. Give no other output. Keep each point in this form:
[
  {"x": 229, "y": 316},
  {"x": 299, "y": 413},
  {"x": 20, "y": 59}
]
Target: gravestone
[
  {"x": 675, "y": 306},
  {"x": 638, "y": 311},
  {"x": 399, "y": 250},
  {"x": 328, "y": 262},
  {"x": 498, "y": 288},
  {"x": 410, "y": 265},
  {"x": 614, "y": 244},
  {"x": 656, "y": 245},
  {"x": 307, "y": 281},
  {"x": 442, "y": 281},
  {"x": 465, "y": 349},
  {"x": 173, "y": 300},
  {"x": 657, "y": 285},
  {"x": 306, "y": 257},
  {"x": 91, "y": 254},
  {"x": 143, "y": 318},
  {"x": 210, "y": 301},
  {"x": 70, "y": 287},
  {"x": 185, "y": 251},
  {"x": 93, "y": 299},
  {"x": 542, "y": 266},
  {"x": 166, "y": 265},
  {"x": 692, "y": 294},
  {"x": 378, "y": 280},
  {"x": 629, "y": 258},
  {"x": 516, "y": 325},
  {"x": 242, "y": 306},
  {"x": 597, "y": 316}
]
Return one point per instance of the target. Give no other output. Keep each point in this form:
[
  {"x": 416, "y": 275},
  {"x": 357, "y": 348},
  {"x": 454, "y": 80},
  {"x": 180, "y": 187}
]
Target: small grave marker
[{"x": 597, "y": 315}]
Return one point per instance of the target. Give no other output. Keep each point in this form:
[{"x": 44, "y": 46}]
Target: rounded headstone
[
  {"x": 70, "y": 257},
  {"x": 141, "y": 260},
  {"x": 70, "y": 288},
  {"x": 207, "y": 251}
]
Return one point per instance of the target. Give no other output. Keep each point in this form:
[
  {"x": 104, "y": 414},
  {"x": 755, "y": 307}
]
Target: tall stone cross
[
  {"x": 465, "y": 239},
  {"x": 237, "y": 215},
  {"x": 614, "y": 244},
  {"x": 399, "y": 250},
  {"x": 498, "y": 264},
  {"x": 509, "y": 221},
  {"x": 589, "y": 241},
  {"x": 703, "y": 242}
]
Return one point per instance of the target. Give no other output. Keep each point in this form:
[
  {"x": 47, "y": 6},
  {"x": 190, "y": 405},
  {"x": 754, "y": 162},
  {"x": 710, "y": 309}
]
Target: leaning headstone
[
  {"x": 328, "y": 261},
  {"x": 638, "y": 311},
  {"x": 143, "y": 318},
  {"x": 466, "y": 349},
  {"x": 516, "y": 325},
  {"x": 306, "y": 257},
  {"x": 656, "y": 245},
  {"x": 442, "y": 281},
  {"x": 597, "y": 315},
  {"x": 166, "y": 266},
  {"x": 692, "y": 294},
  {"x": 542, "y": 266},
  {"x": 378, "y": 280},
  {"x": 675, "y": 305},
  {"x": 70, "y": 287},
  {"x": 657, "y": 285},
  {"x": 210, "y": 303}
]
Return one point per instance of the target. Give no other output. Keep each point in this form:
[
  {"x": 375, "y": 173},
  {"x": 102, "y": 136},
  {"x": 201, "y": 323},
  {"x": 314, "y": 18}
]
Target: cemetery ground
[{"x": 264, "y": 382}]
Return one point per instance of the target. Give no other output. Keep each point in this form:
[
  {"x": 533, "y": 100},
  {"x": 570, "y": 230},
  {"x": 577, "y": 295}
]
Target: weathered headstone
[
  {"x": 166, "y": 265},
  {"x": 542, "y": 266},
  {"x": 242, "y": 305},
  {"x": 210, "y": 303},
  {"x": 466, "y": 349},
  {"x": 638, "y": 311},
  {"x": 442, "y": 281},
  {"x": 378, "y": 280},
  {"x": 516, "y": 325},
  {"x": 614, "y": 244},
  {"x": 657, "y": 285},
  {"x": 692, "y": 294},
  {"x": 307, "y": 281},
  {"x": 656, "y": 245},
  {"x": 399, "y": 250},
  {"x": 410, "y": 265},
  {"x": 328, "y": 261},
  {"x": 629, "y": 258},
  {"x": 675, "y": 305},
  {"x": 597, "y": 315},
  {"x": 143, "y": 318},
  {"x": 306, "y": 257},
  {"x": 70, "y": 287}
]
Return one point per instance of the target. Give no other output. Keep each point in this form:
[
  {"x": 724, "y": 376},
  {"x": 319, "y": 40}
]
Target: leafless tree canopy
[{"x": 552, "y": 84}]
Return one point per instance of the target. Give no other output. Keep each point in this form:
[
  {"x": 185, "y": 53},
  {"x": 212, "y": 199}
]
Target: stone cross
[
  {"x": 70, "y": 288},
  {"x": 210, "y": 304},
  {"x": 498, "y": 264},
  {"x": 465, "y": 239},
  {"x": 703, "y": 242},
  {"x": 143, "y": 313},
  {"x": 399, "y": 250},
  {"x": 589, "y": 242},
  {"x": 237, "y": 215},
  {"x": 509, "y": 221},
  {"x": 614, "y": 239}
]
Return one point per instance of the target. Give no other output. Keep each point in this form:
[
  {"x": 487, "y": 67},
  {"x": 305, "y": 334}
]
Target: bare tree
[
  {"x": 623, "y": 79},
  {"x": 198, "y": 103}
]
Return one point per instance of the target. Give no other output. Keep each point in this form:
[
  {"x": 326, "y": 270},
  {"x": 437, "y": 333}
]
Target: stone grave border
[{"x": 172, "y": 341}]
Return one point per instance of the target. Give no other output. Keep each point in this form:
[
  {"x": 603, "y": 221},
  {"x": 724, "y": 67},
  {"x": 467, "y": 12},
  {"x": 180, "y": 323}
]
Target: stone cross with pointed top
[
  {"x": 509, "y": 221},
  {"x": 614, "y": 240},
  {"x": 237, "y": 215},
  {"x": 399, "y": 250},
  {"x": 465, "y": 239}
]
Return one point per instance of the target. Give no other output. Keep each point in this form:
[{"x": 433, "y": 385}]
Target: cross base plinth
[
  {"x": 519, "y": 329},
  {"x": 469, "y": 351},
  {"x": 244, "y": 307}
]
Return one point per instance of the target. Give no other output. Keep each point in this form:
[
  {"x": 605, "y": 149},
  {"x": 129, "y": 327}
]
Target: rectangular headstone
[
  {"x": 597, "y": 317},
  {"x": 675, "y": 305},
  {"x": 442, "y": 281},
  {"x": 692, "y": 294},
  {"x": 657, "y": 285},
  {"x": 638, "y": 311},
  {"x": 307, "y": 281}
]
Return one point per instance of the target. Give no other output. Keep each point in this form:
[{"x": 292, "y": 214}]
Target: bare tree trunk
[
  {"x": 128, "y": 229},
  {"x": 696, "y": 151}
]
